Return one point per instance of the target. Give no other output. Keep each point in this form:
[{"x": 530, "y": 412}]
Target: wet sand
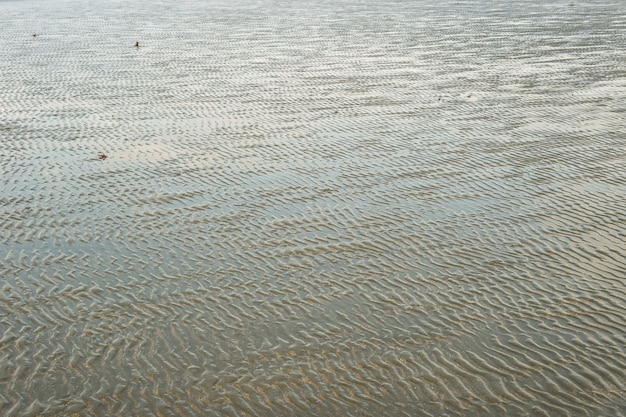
[{"x": 312, "y": 208}]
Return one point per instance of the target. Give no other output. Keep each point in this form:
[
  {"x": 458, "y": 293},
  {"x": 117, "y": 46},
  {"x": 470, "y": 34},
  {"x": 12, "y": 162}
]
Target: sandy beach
[{"x": 322, "y": 208}]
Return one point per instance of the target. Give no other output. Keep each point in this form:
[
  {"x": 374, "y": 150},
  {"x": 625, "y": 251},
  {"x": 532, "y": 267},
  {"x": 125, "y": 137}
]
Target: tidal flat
[{"x": 312, "y": 208}]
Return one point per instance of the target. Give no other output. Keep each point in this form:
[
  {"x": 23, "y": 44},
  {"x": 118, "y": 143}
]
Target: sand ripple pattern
[{"x": 320, "y": 208}]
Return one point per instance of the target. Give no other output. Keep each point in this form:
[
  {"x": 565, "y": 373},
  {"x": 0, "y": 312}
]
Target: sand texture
[{"x": 313, "y": 208}]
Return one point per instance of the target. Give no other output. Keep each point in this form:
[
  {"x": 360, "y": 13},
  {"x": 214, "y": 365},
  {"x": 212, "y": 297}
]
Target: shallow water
[{"x": 326, "y": 208}]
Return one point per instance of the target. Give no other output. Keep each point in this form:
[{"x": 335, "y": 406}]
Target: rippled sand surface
[{"x": 320, "y": 208}]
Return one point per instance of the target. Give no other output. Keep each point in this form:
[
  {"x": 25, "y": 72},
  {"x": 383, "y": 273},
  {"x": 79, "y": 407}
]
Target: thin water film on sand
[{"x": 321, "y": 208}]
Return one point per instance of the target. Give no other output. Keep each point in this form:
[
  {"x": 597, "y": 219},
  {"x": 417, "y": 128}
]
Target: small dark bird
[
  {"x": 34, "y": 35},
  {"x": 102, "y": 156},
  {"x": 137, "y": 44}
]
